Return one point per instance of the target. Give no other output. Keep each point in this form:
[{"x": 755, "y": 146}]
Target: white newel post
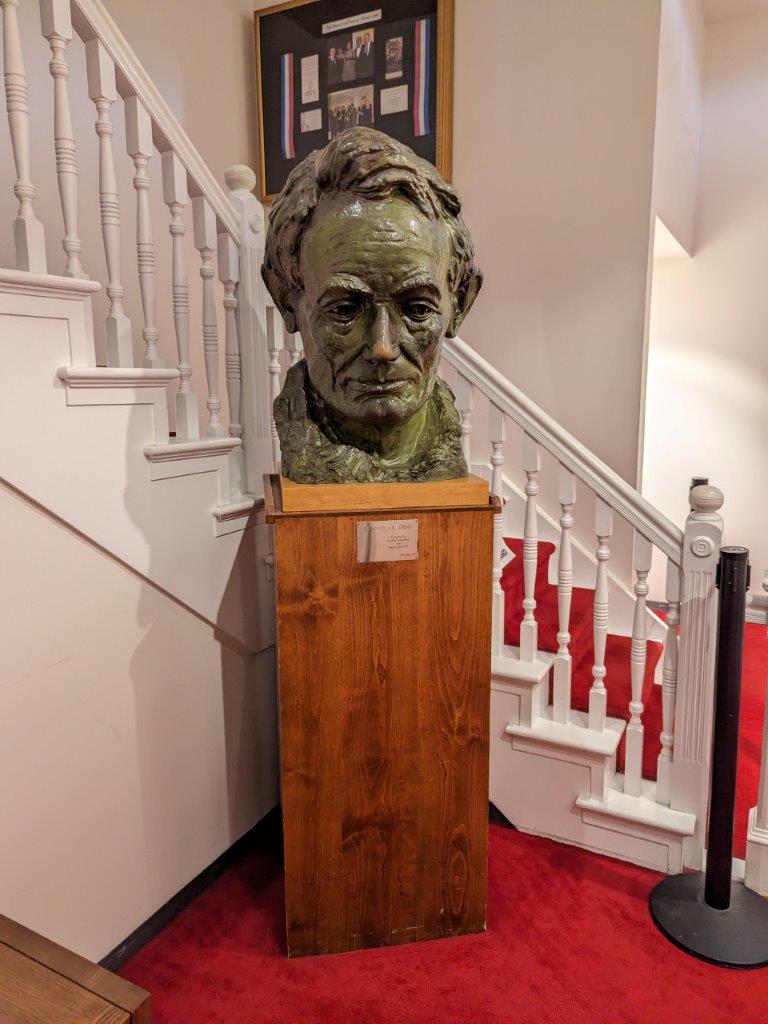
[
  {"x": 638, "y": 654},
  {"x": 56, "y": 27},
  {"x": 229, "y": 275},
  {"x": 252, "y": 324},
  {"x": 28, "y": 236},
  {"x": 497, "y": 432},
  {"x": 204, "y": 222},
  {"x": 689, "y": 786},
  {"x": 176, "y": 197},
  {"x": 756, "y": 876},
  {"x": 561, "y": 678},
  {"x": 103, "y": 92},
  {"x": 529, "y": 630},
  {"x": 598, "y": 695},
  {"x": 138, "y": 133}
]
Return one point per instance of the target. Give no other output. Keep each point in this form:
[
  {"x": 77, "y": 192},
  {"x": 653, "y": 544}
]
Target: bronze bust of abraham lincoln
[{"x": 368, "y": 258}]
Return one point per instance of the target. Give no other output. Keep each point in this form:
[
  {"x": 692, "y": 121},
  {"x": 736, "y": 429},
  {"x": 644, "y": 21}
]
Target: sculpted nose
[{"x": 383, "y": 346}]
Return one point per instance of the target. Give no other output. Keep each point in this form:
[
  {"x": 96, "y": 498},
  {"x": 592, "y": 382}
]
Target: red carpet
[{"x": 569, "y": 941}]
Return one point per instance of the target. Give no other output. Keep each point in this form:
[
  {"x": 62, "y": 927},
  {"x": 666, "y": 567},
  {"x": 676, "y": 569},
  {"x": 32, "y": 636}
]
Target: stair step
[
  {"x": 642, "y": 810},
  {"x": 573, "y": 735}
]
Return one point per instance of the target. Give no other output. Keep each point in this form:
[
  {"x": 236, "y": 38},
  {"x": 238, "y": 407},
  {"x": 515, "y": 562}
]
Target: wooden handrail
[
  {"x": 91, "y": 20},
  {"x": 570, "y": 452}
]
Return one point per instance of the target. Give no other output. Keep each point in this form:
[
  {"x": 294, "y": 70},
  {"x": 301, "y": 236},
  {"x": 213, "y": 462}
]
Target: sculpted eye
[
  {"x": 417, "y": 310},
  {"x": 344, "y": 311}
]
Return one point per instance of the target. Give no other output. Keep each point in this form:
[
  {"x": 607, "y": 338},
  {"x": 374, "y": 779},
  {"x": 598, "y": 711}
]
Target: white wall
[
  {"x": 553, "y": 141},
  {"x": 707, "y": 405},
  {"x": 678, "y": 118},
  {"x": 555, "y": 105},
  {"x": 136, "y": 747}
]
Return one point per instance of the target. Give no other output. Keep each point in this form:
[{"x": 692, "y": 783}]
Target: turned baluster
[
  {"x": 176, "y": 197},
  {"x": 465, "y": 403},
  {"x": 229, "y": 275},
  {"x": 103, "y": 92},
  {"x": 561, "y": 685},
  {"x": 598, "y": 695},
  {"x": 56, "y": 27},
  {"x": 28, "y": 236},
  {"x": 138, "y": 133},
  {"x": 204, "y": 220},
  {"x": 669, "y": 684},
  {"x": 275, "y": 343},
  {"x": 293, "y": 346},
  {"x": 529, "y": 630},
  {"x": 497, "y": 434},
  {"x": 633, "y": 765}
]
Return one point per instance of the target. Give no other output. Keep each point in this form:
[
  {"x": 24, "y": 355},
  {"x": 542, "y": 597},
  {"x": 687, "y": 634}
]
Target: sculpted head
[{"x": 368, "y": 257}]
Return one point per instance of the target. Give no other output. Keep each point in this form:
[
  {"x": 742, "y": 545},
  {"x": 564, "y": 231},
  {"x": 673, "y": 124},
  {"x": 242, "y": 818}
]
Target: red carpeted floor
[{"x": 569, "y": 941}]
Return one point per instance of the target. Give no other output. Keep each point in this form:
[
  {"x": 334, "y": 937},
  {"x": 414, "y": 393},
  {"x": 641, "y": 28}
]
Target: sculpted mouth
[{"x": 381, "y": 387}]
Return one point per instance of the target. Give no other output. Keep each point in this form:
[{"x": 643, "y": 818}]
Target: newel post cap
[
  {"x": 240, "y": 176},
  {"x": 706, "y": 499}
]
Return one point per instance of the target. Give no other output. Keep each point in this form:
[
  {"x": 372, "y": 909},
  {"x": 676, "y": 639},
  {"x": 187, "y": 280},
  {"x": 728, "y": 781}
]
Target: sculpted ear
[{"x": 463, "y": 301}]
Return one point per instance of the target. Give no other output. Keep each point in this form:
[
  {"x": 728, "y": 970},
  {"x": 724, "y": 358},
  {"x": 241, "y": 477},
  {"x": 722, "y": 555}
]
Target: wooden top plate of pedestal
[{"x": 283, "y": 496}]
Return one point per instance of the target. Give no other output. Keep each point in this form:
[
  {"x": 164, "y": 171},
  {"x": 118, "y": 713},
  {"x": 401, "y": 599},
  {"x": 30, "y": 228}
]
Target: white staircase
[{"x": 92, "y": 445}]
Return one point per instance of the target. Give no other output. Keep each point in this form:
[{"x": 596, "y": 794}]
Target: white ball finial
[
  {"x": 240, "y": 176},
  {"x": 706, "y": 499}
]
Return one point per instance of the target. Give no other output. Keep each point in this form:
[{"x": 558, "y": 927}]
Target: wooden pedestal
[{"x": 384, "y": 671}]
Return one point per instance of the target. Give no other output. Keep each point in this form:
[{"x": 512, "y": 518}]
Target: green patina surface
[{"x": 367, "y": 256}]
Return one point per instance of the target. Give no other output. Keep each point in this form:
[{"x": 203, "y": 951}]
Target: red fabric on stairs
[{"x": 618, "y": 679}]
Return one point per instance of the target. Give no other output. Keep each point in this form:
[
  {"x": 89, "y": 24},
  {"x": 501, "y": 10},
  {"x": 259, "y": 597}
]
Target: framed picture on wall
[{"x": 323, "y": 66}]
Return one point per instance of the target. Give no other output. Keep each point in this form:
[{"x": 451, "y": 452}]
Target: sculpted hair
[{"x": 370, "y": 165}]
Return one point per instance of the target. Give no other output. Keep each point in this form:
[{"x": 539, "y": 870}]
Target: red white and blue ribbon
[
  {"x": 421, "y": 84},
  {"x": 286, "y": 106}
]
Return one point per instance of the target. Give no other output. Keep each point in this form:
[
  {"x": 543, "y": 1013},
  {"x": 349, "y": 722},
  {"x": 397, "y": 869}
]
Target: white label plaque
[{"x": 387, "y": 540}]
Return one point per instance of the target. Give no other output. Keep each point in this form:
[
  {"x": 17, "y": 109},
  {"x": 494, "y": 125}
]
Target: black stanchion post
[
  {"x": 713, "y": 917},
  {"x": 733, "y": 583}
]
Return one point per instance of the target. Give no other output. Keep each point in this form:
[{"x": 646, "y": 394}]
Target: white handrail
[
  {"x": 599, "y": 477},
  {"x": 91, "y": 20}
]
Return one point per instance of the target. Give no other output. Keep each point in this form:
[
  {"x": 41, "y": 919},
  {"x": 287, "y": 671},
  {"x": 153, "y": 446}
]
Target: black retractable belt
[{"x": 709, "y": 915}]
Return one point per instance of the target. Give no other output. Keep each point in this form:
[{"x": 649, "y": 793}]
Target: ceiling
[{"x": 721, "y": 10}]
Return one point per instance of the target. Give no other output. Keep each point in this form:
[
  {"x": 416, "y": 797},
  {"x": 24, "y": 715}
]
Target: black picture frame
[{"x": 325, "y": 65}]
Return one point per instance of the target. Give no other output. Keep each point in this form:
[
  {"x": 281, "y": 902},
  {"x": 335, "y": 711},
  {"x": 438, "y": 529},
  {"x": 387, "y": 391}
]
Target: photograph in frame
[{"x": 324, "y": 65}]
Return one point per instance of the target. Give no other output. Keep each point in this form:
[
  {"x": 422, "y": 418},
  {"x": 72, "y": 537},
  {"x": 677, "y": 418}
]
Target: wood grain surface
[
  {"x": 384, "y": 693},
  {"x": 468, "y": 491},
  {"x": 33, "y": 994},
  {"x": 44, "y": 982}
]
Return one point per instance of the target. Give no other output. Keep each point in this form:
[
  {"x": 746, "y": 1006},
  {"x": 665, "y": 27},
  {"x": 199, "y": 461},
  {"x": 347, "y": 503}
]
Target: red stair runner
[{"x": 617, "y": 664}]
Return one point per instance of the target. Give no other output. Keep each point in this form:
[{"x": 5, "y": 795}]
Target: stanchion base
[{"x": 737, "y": 937}]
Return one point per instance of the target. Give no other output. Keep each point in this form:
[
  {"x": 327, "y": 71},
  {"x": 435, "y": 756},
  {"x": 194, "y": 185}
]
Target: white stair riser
[{"x": 536, "y": 785}]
